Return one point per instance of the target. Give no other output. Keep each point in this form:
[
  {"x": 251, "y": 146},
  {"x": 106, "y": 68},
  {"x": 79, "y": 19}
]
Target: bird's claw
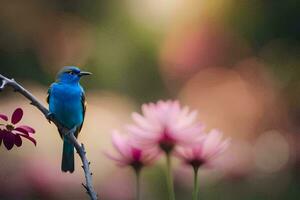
[{"x": 50, "y": 117}]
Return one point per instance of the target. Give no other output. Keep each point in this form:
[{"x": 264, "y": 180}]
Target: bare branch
[
  {"x": 4, "y": 82},
  {"x": 67, "y": 133}
]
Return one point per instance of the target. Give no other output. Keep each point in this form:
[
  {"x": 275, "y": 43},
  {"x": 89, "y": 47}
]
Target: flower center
[
  {"x": 10, "y": 127},
  {"x": 196, "y": 163},
  {"x": 167, "y": 143},
  {"x": 137, "y": 165}
]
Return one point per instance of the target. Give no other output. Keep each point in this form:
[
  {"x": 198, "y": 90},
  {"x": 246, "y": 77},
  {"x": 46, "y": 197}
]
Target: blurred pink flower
[
  {"x": 164, "y": 125},
  {"x": 204, "y": 151},
  {"x": 11, "y": 135},
  {"x": 129, "y": 155}
]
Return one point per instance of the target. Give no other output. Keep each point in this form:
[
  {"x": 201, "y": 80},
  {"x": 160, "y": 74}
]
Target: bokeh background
[{"x": 236, "y": 62}]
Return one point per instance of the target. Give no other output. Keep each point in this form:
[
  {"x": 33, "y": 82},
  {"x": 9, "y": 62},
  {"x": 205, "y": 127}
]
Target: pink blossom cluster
[
  {"x": 11, "y": 134},
  {"x": 168, "y": 128}
]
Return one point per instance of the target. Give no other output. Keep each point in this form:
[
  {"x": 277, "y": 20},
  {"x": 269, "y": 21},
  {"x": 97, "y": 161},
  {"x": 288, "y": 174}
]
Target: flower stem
[
  {"x": 137, "y": 190},
  {"x": 170, "y": 178},
  {"x": 196, "y": 184}
]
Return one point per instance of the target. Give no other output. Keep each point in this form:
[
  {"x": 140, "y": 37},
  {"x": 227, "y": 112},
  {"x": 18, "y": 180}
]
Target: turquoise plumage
[{"x": 66, "y": 99}]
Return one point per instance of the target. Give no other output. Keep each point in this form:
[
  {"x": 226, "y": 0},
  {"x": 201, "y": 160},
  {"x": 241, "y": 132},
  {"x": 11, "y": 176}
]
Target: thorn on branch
[{"x": 85, "y": 186}]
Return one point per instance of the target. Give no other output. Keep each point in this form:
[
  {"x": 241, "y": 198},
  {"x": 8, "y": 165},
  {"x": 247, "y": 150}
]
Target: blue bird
[{"x": 67, "y": 105}]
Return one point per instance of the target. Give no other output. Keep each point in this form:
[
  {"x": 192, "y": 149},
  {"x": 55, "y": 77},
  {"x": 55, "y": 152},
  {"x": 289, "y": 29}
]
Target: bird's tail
[{"x": 67, "y": 163}]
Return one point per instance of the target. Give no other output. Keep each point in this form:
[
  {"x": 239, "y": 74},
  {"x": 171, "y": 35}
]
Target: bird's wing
[
  {"x": 49, "y": 93},
  {"x": 48, "y": 96},
  {"x": 83, "y": 102}
]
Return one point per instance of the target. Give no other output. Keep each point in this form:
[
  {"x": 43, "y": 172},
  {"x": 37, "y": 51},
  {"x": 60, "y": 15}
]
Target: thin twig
[{"x": 67, "y": 133}]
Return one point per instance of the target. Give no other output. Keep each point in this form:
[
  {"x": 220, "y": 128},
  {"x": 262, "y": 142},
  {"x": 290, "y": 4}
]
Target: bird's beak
[{"x": 85, "y": 74}]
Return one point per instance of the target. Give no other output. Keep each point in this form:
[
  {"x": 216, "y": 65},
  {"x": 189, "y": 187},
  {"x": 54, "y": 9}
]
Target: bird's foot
[{"x": 50, "y": 116}]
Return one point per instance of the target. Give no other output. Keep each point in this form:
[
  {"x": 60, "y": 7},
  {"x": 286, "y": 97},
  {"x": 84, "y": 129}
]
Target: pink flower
[
  {"x": 208, "y": 147},
  {"x": 128, "y": 154},
  {"x": 11, "y": 135},
  {"x": 164, "y": 125}
]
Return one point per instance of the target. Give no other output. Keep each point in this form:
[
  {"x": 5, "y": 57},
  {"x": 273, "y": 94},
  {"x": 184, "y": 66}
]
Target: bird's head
[{"x": 71, "y": 74}]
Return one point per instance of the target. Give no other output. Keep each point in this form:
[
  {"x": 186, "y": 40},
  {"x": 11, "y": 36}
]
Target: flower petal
[
  {"x": 8, "y": 140},
  {"x": 20, "y": 130},
  {"x": 29, "y": 138},
  {"x": 185, "y": 153},
  {"x": 137, "y": 131},
  {"x": 119, "y": 160},
  {"x": 25, "y": 129},
  {"x": 4, "y": 117},
  {"x": 142, "y": 122},
  {"x": 212, "y": 143},
  {"x": 18, "y": 140},
  {"x": 151, "y": 156},
  {"x": 17, "y": 116},
  {"x": 186, "y": 119},
  {"x": 121, "y": 145},
  {"x": 28, "y": 128}
]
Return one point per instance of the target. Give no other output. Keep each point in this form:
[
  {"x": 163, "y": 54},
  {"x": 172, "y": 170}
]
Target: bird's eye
[{"x": 71, "y": 72}]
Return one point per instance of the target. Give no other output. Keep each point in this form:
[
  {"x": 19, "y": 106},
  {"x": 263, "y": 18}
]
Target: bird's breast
[{"x": 66, "y": 105}]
